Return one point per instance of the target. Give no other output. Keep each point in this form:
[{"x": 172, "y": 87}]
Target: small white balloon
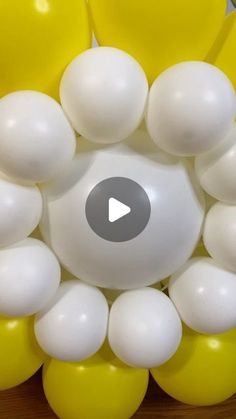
[
  {"x": 73, "y": 326},
  {"x": 20, "y": 211},
  {"x": 220, "y": 234},
  {"x": 191, "y": 108},
  {"x": 144, "y": 328},
  {"x": 216, "y": 170},
  {"x": 204, "y": 295},
  {"x": 104, "y": 93},
  {"x": 29, "y": 278},
  {"x": 36, "y": 139}
]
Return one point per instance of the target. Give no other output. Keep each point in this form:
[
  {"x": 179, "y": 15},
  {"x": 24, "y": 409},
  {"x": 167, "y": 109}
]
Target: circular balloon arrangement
[{"x": 133, "y": 188}]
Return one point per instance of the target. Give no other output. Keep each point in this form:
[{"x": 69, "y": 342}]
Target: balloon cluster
[{"x": 101, "y": 312}]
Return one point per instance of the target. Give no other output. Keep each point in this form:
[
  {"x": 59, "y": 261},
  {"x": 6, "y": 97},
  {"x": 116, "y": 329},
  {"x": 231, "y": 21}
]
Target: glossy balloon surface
[
  {"x": 202, "y": 372},
  {"x": 38, "y": 40},
  {"x": 154, "y": 32},
  {"x": 191, "y": 108},
  {"x": 203, "y": 293},
  {"x": 20, "y": 356},
  {"x": 155, "y": 252},
  {"x": 36, "y": 139},
  {"x": 20, "y": 211},
  {"x": 101, "y": 387},
  {"x": 29, "y": 277},
  {"x": 152, "y": 323},
  {"x": 73, "y": 326},
  {"x": 104, "y": 93}
]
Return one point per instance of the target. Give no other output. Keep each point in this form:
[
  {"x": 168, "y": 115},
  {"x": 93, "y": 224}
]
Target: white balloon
[
  {"x": 220, "y": 234},
  {"x": 216, "y": 170},
  {"x": 20, "y": 211},
  {"x": 74, "y": 324},
  {"x": 104, "y": 93},
  {"x": 29, "y": 277},
  {"x": 169, "y": 238},
  {"x": 191, "y": 108},
  {"x": 36, "y": 139},
  {"x": 204, "y": 295},
  {"x": 144, "y": 328}
]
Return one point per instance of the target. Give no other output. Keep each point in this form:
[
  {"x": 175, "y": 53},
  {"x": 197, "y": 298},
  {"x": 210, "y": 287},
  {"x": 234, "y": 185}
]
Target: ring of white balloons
[{"x": 46, "y": 174}]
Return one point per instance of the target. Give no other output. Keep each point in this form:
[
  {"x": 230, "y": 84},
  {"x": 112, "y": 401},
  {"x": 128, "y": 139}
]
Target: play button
[{"x": 118, "y": 209}]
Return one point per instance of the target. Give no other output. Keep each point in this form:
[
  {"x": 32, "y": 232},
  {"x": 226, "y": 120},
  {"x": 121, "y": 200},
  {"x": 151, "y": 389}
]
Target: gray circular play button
[{"x": 118, "y": 209}]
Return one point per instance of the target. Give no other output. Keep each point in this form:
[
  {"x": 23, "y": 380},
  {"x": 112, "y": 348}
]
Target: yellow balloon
[
  {"x": 99, "y": 388},
  {"x": 38, "y": 39},
  {"x": 203, "y": 371},
  {"x": 20, "y": 356},
  {"x": 159, "y": 33},
  {"x": 223, "y": 53}
]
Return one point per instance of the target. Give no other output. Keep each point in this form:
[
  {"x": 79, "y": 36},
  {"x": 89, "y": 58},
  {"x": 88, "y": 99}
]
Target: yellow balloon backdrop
[
  {"x": 203, "y": 371},
  {"x": 20, "y": 356},
  {"x": 223, "y": 53},
  {"x": 159, "y": 33},
  {"x": 38, "y": 39},
  {"x": 99, "y": 388}
]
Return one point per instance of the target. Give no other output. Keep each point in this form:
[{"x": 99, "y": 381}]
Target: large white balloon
[
  {"x": 104, "y": 93},
  {"x": 191, "y": 108},
  {"x": 29, "y": 277},
  {"x": 204, "y": 295},
  {"x": 20, "y": 211},
  {"x": 36, "y": 139},
  {"x": 220, "y": 234},
  {"x": 144, "y": 328},
  {"x": 73, "y": 326},
  {"x": 216, "y": 170},
  {"x": 166, "y": 242}
]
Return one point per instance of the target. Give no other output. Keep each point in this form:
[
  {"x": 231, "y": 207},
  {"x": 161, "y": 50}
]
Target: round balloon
[
  {"x": 115, "y": 217},
  {"x": 203, "y": 370},
  {"x": 20, "y": 211},
  {"x": 101, "y": 387},
  {"x": 203, "y": 293},
  {"x": 29, "y": 277},
  {"x": 104, "y": 93},
  {"x": 154, "y": 32},
  {"x": 220, "y": 234},
  {"x": 20, "y": 355},
  {"x": 216, "y": 170},
  {"x": 188, "y": 118},
  {"x": 39, "y": 38},
  {"x": 36, "y": 139},
  {"x": 152, "y": 323},
  {"x": 73, "y": 326}
]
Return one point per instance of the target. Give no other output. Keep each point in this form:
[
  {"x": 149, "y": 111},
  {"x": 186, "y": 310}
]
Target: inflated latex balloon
[
  {"x": 20, "y": 211},
  {"x": 216, "y": 170},
  {"x": 191, "y": 108},
  {"x": 158, "y": 33},
  {"x": 36, "y": 139},
  {"x": 73, "y": 326},
  {"x": 116, "y": 216},
  {"x": 220, "y": 234},
  {"x": 202, "y": 372},
  {"x": 152, "y": 324},
  {"x": 222, "y": 53},
  {"x": 204, "y": 295},
  {"x": 38, "y": 40},
  {"x": 29, "y": 277},
  {"x": 104, "y": 93},
  {"x": 101, "y": 387},
  {"x": 20, "y": 356}
]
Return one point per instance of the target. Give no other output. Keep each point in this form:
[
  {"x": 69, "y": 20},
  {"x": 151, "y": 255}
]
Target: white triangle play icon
[{"x": 117, "y": 210}]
